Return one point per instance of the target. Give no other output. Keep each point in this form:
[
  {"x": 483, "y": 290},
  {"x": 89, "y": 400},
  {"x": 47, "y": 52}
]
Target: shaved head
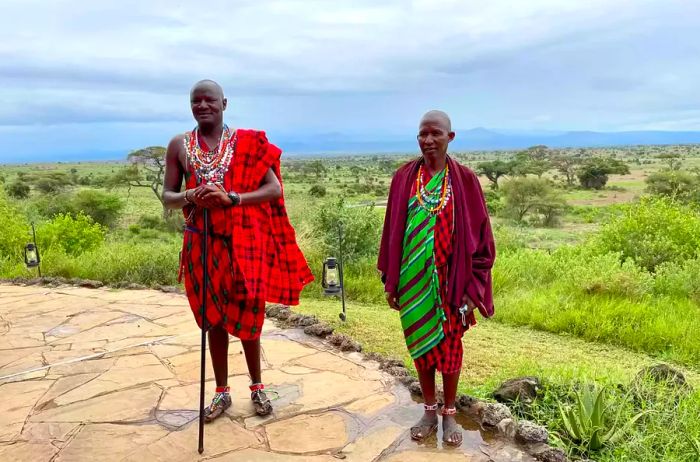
[
  {"x": 439, "y": 117},
  {"x": 207, "y": 84}
]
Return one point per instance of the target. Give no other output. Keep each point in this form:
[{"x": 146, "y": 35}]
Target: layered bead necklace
[
  {"x": 433, "y": 202},
  {"x": 211, "y": 167}
]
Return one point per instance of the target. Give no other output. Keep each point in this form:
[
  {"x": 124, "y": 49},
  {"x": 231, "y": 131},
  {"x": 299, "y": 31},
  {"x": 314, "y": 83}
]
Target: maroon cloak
[{"x": 473, "y": 251}]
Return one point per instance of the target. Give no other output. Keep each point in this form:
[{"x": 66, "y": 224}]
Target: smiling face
[
  {"x": 434, "y": 135},
  {"x": 208, "y": 103}
]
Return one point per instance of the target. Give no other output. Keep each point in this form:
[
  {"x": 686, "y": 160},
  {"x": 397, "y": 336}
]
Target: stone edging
[
  {"x": 57, "y": 281},
  {"x": 490, "y": 416}
]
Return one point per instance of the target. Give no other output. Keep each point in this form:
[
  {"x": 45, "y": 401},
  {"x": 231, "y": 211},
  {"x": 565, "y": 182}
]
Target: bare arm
[{"x": 172, "y": 183}]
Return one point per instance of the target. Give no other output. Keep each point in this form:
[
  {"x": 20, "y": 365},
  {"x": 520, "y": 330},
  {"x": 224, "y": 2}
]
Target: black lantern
[
  {"x": 331, "y": 277},
  {"x": 31, "y": 255}
]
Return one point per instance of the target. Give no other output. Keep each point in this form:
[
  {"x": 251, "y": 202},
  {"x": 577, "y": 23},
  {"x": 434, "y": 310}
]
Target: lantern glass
[
  {"x": 331, "y": 277},
  {"x": 31, "y": 256}
]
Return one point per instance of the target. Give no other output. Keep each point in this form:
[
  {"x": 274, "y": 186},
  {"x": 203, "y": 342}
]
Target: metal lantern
[
  {"x": 31, "y": 255},
  {"x": 331, "y": 277}
]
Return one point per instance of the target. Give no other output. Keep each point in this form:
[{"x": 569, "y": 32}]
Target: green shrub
[
  {"x": 652, "y": 232},
  {"x": 534, "y": 197},
  {"x": 18, "y": 189},
  {"x": 317, "y": 190},
  {"x": 73, "y": 235},
  {"x": 361, "y": 229},
  {"x": 104, "y": 208},
  {"x": 14, "y": 231}
]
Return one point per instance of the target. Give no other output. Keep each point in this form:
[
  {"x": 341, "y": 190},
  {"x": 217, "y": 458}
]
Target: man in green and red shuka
[{"x": 253, "y": 257}]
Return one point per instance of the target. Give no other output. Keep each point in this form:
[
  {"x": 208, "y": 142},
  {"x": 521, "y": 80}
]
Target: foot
[
  {"x": 219, "y": 404},
  {"x": 261, "y": 402},
  {"x": 427, "y": 425},
  {"x": 451, "y": 430}
]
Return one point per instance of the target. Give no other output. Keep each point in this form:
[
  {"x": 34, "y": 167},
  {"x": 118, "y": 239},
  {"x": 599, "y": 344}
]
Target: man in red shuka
[{"x": 253, "y": 256}]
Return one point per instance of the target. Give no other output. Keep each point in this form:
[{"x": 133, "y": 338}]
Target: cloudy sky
[{"x": 110, "y": 75}]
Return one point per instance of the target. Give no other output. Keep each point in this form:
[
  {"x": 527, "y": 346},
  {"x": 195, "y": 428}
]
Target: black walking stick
[{"x": 205, "y": 283}]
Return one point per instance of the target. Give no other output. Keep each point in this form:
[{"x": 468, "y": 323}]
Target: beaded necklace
[
  {"x": 211, "y": 167},
  {"x": 430, "y": 201}
]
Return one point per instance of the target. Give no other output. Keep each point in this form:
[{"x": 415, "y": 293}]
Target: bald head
[
  {"x": 438, "y": 117},
  {"x": 208, "y": 85},
  {"x": 208, "y": 104}
]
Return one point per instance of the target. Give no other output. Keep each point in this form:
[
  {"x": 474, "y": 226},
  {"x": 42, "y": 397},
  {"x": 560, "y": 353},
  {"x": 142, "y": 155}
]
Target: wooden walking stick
[{"x": 205, "y": 284}]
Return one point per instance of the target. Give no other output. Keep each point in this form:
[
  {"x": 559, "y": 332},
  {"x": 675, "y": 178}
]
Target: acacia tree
[
  {"x": 593, "y": 172},
  {"x": 568, "y": 165},
  {"x": 146, "y": 171},
  {"x": 494, "y": 170}
]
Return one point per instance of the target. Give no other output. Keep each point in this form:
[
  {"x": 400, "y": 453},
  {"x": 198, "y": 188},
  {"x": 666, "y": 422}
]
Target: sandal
[
  {"x": 451, "y": 431},
  {"x": 221, "y": 402},
  {"x": 261, "y": 402},
  {"x": 426, "y": 426}
]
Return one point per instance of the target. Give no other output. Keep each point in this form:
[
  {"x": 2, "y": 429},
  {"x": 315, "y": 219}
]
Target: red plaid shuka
[
  {"x": 252, "y": 250},
  {"x": 447, "y": 356}
]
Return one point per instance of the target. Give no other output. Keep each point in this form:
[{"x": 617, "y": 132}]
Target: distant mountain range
[
  {"x": 486, "y": 139},
  {"x": 466, "y": 140}
]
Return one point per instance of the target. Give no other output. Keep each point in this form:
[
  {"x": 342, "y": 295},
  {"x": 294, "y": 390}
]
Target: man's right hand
[{"x": 392, "y": 300}]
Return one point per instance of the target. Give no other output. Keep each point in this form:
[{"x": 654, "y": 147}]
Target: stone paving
[{"x": 104, "y": 375}]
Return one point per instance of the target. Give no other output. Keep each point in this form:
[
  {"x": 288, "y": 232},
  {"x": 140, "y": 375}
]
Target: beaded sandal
[
  {"x": 221, "y": 402},
  {"x": 426, "y": 426},
  {"x": 261, "y": 402},
  {"x": 451, "y": 432}
]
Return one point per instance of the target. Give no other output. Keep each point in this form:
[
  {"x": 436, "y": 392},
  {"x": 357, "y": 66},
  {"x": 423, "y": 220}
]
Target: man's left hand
[
  {"x": 469, "y": 303},
  {"x": 210, "y": 196}
]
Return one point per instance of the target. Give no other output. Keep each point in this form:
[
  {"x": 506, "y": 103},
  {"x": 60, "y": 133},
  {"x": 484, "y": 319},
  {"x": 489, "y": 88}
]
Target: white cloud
[{"x": 596, "y": 64}]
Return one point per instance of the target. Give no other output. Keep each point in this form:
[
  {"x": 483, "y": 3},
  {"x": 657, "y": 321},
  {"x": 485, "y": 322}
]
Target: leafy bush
[
  {"x": 49, "y": 185},
  {"x": 361, "y": 229},
  {"x": 103, "y": 207},
  {"x": 675, "y": 184},
  {"x": 73, "y": 235},
  {"x": 18, "y": 189},
  {"x": 535, "y": 197},
  {"x": 317, "y": 190},
  {"x": 652, "y": 232},
  {"x": 14, "y": 232}
]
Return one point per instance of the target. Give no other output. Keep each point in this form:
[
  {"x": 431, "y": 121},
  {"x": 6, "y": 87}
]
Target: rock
[
  {"x": 336, "y": 339},
  {"x": 169, "y": 289},
  {"x": 522, "y": 389},
  {"x": 320, "y": 329},
  {"x": 506, "y": 427},
  {"x": 408, "y": 380},
  {"x": 662, "y": 373},
  {"x": 302, "y": 320},
  {"x": 492, "y": 413},
  {"x": 134, "y": 286},
  {"x": 374, "y": 357},
  {"x": 90, "y": 284},
  {"x": 391, "y": 362},
  {"x": 414, "y": 388},
  {"x": 546, "y": 453},
  {"x": 350, "y": 345},
  {"x": 272, "y": 311},
  {"x": 467, "y": 402},
  {"x": 283, "y": 315},
  {"x": 398, "y": 371},
  {"x": 529, "y": 432}
]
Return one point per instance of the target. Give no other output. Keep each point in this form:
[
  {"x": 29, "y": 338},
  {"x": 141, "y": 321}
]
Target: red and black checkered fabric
[
  {"x": 253, "y": 254},
  {"x": 446, "y": 357}
]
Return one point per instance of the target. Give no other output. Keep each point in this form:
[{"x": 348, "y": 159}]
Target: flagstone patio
[{"x": 105, "y": 375}]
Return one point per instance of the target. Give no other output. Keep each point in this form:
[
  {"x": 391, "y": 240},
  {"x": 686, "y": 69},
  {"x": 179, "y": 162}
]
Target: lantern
[
  {"x": 331, "y": 277},
  {"x": 31, "y": 255}
]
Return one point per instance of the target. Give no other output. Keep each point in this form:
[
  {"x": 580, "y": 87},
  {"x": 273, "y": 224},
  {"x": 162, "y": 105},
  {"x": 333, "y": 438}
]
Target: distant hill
[{"x": 472, "y": 139}]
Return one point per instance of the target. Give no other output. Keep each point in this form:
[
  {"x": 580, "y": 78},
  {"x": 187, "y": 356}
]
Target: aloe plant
[{"x": 586, "y": 421}]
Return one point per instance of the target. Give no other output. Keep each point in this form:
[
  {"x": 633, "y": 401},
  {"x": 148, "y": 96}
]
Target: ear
[
  {"x": 225, "y": 103},
  {"x": 451, "y": 136}
]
